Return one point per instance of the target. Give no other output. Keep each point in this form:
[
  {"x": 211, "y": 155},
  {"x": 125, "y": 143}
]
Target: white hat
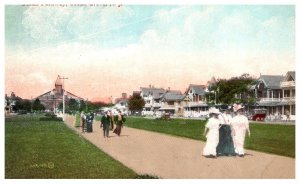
[
  {"x": 213, "y": 110},
  {"x": 237, "y": 107}
]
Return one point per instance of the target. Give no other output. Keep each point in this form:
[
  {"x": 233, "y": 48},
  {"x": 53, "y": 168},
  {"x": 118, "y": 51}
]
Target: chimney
[{"x": 124, "y": 95}]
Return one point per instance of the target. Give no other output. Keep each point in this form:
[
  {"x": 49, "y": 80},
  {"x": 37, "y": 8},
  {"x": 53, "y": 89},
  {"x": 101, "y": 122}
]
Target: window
[{"x": 171, "y": 103}]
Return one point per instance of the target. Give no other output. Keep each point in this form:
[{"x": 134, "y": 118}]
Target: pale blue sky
[
  {"x": 166, "y": 46},
  {"x": 202, "y": 27}
]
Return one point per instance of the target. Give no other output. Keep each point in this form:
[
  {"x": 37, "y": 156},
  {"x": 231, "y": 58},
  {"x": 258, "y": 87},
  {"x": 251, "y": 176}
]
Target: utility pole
[
  {"x": 86, "y": 105},
  {"x": 63, "y": 88}
]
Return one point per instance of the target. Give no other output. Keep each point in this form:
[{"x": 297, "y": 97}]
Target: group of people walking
[
  {"x": 225, "y": 135},
  {"x": 108, "y": 121}
]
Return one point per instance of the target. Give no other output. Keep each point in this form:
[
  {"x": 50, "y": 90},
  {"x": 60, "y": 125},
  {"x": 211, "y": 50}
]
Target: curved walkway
[{"x": 173, "y": 157}]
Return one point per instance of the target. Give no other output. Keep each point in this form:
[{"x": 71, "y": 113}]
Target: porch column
[{"x": 272, "y": 95}]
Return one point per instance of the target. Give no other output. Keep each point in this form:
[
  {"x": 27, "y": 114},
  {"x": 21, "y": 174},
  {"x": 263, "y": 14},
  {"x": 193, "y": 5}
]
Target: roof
[
  {"x": 169, "y": 96},
  {"x": 58, "y": 81},
  {"x": 198, "y": 89},
  {"x": 121, "y": 100},
  {"x": 290, "y": 74},
  {"x": 155, "y": 92},
  {"x": 272, "y": 81}
]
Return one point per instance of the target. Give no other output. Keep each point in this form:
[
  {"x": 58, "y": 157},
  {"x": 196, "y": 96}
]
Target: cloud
[
  {"x": 176, "y": 47},
  {"x": 48, "y": 24},
  {"x": 218, "y": 28}
]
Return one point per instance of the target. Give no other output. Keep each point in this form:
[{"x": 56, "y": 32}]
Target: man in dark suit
[{"x": 105, "y": 123}]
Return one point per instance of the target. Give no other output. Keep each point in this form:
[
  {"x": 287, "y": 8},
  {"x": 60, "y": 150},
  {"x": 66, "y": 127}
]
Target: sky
[{"x": 107, "y": 50}]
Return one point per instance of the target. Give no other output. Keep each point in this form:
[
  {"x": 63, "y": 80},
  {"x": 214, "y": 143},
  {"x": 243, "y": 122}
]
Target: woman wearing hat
[
  {"x": 211, "y": 132},
  {"x": 240, "y": 125}
]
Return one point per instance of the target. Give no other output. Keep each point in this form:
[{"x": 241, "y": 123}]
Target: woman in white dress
[
  {"x": 211, "y": 132},
  {"x": 240, "y": 125}
]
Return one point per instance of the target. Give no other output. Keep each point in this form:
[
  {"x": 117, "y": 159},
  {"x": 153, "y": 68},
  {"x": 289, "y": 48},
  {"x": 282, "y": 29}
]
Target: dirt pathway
[{"x": 172, "y": 157}]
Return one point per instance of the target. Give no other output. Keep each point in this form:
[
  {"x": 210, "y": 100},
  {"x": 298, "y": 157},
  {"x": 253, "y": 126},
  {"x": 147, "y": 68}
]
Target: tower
[{"x": 58, "y": 86}]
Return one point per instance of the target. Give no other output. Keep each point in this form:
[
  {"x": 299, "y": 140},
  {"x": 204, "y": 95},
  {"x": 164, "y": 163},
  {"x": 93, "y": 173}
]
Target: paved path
[{"x": 172, "y": 157}]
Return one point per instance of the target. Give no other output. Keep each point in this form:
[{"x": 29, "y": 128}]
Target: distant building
[
  {"x": 122, "y": 103},
  {"x": 152, "y": 96},
  {"x": 54, "y": 97},
  {"x": 172, "y": 102},
  {"x": 195, "y": 95},
  {"x": 10, "y": 102},
  {"x": 276, "y": 93}
]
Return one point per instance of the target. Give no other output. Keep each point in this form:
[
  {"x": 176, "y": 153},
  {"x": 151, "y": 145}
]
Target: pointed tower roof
[{"x": 58, "y": 81}]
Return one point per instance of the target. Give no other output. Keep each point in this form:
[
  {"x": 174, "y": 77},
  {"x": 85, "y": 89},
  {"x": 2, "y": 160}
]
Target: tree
[
  {"x": 234, "y": 90},
  {"x": 22, "y": 104},
  {"x": 73, "y": 105},
  {"x": 37, "y": 105},
  {"x": 136, "y": 103}
]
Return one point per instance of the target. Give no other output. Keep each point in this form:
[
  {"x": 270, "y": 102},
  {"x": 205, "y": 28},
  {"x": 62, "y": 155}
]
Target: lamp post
[{"x": 63, "y": 88}]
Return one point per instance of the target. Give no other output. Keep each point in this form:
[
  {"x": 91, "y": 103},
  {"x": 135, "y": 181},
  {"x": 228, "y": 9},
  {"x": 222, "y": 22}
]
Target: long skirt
[
  {"x": 211, "y": 142},
  {"x": 118, "y": 129},
  {"x": 225, "y": 146},
  {"x": 239, "y": 141},
  {"x": 111, "y": 125}
]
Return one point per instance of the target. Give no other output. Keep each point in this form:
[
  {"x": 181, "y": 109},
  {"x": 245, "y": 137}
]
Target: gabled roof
[
  {"x": 48, "y": 93},
  {"x": 174, "y": 91},
  {"x": 73, "y": 95},
  {"x": 198, "y": 89},
  {"x": 155, "y": 92},
  {"x": 290, "y": 74},
  {"x": 272, "y": 81}
]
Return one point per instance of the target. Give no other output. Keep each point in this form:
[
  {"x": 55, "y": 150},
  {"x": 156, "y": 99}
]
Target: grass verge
[
  {"x": 48, "y": 149},
  {"x": 275, "y": 139}
]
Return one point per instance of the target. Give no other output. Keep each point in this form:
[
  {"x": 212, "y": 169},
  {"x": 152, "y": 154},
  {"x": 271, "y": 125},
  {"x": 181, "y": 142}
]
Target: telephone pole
[{"x": 63, "y": 87}]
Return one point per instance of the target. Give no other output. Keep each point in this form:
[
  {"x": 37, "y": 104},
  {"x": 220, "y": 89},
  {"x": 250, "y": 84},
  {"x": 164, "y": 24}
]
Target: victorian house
[
  {"x": 276, "y": 93},
  {"x": 172, "y": 102},
  {"x": 152, "y": 96},
  {"x": 122, "y": 103},
  {"x": 195, "y": 97},
  {"x": 53, "y": 98},
  {"x": 288, "y": 86}
]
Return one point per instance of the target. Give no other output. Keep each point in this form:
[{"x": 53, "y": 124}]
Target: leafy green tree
[
  {"x": 22, "y": 104},
  {"x": 73, "y": 105},
  {"x": 234, "y": 90},
  {"x": 136, "y": 103},
  {"x": 37, "y": 106}
]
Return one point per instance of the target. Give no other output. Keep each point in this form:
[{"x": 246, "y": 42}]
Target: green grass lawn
[
  {"x": 48, "y": 149},
  {"x": 276, "y": 139}
]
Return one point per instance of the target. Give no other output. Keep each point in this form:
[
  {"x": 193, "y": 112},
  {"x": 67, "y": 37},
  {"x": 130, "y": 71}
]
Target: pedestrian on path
[
  {"x": 211, "y": 132},
  {"x": 225, "y": 146},
  {"x": 105, "y": 122},
  {"x": 119, "y": 121},
  {"x": 82, "y": 118},
  {"x": 240, "y": 125},
  {"x": 112, "y": 122}
]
